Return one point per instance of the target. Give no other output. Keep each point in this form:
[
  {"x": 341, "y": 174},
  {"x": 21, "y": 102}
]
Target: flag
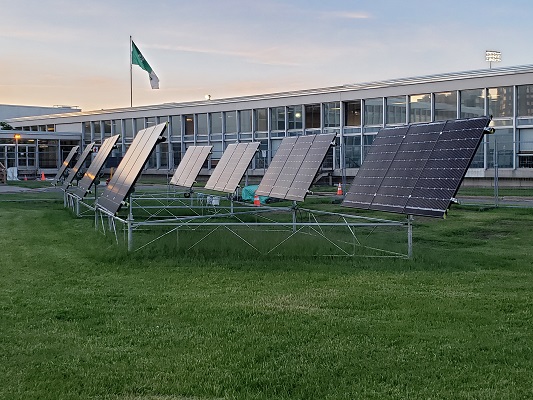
[{"x": 138, "y": 59}]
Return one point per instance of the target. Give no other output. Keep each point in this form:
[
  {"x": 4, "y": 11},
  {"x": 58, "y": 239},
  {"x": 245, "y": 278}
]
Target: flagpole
[{"x": 131, "y": 77}]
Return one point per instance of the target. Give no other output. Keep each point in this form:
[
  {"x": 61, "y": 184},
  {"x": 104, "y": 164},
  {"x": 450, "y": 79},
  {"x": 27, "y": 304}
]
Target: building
[
  {"x": 8, "y": 111},
  {"x": 355, "y": 112}
]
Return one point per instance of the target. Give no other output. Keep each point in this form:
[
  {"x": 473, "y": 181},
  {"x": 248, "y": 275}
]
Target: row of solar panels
[{"x": 414, "y": 169}]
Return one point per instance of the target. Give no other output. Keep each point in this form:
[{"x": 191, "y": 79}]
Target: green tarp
[{"x": 248, "y": 193}]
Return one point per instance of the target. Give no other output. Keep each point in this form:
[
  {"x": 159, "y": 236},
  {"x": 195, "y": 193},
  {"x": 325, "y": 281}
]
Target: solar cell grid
[
  {"x": 276, "y": 165},
  {"x": 190, "y": 166},
  {"x": 290, "y": 176},
  {"x": 96, "y": 166},
  {"x": 212, "y": 182},
  {"x": 129, "y": 169},
  {"x": 230, "y": 167},
  {"x": 84, "y": 155},
  {"x": 241, "y": 167},
  {"x": 65, "y": 164},
  {"x": 425, "y": 172}
]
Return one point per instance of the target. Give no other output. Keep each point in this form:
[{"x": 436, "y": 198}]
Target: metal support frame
[{"x": 235, "y": 216}]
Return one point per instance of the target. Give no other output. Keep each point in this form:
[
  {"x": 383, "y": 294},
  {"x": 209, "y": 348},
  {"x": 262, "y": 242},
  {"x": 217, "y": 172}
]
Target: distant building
[
  {"x": 8, "y": 111},
  {"x": 355, "y": 112}
]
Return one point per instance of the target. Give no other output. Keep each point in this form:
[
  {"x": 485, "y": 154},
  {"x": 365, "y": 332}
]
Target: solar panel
[
  {"x": 241, "y": 166},
  {"x": 190, "y": 166},
  {"x": 130, "y": 168},
  {"x": 232, "y": 167},
  {"x": 84, "y": 155},
  {"x": 294, "y": 167},
  {"x": 65, "y": 165},
  {"x": 276, "y": 166},
  {"x": 416, "y": 169},
  {"x": 96, "y": 166},
  {"x": 222, "y": 165}
]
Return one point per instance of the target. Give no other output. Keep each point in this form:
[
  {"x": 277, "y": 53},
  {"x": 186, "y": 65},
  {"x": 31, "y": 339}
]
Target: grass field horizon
[{"x": 84, "y": 319}]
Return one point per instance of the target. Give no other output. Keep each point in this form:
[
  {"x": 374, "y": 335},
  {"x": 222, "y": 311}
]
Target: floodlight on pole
[{"x": 492, "y": 56}]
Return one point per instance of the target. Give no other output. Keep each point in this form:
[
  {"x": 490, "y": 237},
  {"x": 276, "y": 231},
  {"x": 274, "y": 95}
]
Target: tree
[{"x": 5, "y": 126}]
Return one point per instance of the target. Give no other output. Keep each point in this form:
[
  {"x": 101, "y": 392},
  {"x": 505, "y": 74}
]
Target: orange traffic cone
[
  {"x": 42, "y": 176},
  {"x": 339, "y": 189},
  {"x": 257, "y": 203}
]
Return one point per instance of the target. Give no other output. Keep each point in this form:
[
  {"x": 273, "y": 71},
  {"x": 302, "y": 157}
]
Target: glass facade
[
  {"x": 312, "y": 116},
  {"x": 374, "y": 111},
  {"x": 396, "y": 110},
  {"x": 295, "y": 117},
  {"x": 359, "y": 119},
  {"x": 445, "y": 106},
  {"x": 472, "y": 103},
  {"x": 420, "y": 108}
]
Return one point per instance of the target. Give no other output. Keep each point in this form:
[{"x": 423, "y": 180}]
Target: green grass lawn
[{"x": 83, "y": 319}]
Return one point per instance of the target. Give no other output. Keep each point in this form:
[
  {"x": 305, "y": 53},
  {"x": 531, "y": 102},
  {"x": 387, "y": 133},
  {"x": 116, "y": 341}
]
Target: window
[
  {"x": 117, "y": 127},
  {"x": 231, "y": 121},
  {"x": 525, "y": 101},
  {"x": 396, "y": 107},
  {"x": 87, "y": 132},
  {"x": 294, "y": 117},
  {"x": 312, "y": 116},
  {"x": 128, "y": 125},
  {"x": 445, "y": 106},
  {"x": 374, "y": 111},
  {"x": 352, "y": 113},
  {"x": 352, "y": 151},
  {"x": 277, "y": 115},
  {"x": 501, "y": 142},
  {"x": 472, "y": 103},
  {"x": 332, "y": 114},
  {"x": 245, "y": 121},
  {"x": 261, "y": 120},
  {"x": 420, "y": 108},
  {"x": 189, "y": 126},
  {"x": 525, "y": 143},
  {"x": 107, "y": 128},
  {"x": 500, "y": 101},
  {"x": 175, "y": 125},
  {"x": 201, "y": 127},
  {"x": 216, "y": 122}
]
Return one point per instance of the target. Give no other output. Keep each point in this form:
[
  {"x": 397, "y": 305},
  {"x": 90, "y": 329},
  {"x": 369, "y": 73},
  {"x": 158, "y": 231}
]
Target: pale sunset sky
[{"x": 71, "y": 52}]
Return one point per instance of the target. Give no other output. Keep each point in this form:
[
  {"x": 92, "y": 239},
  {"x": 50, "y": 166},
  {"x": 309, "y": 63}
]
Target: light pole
[
  {"x": 492, "y": 56},
  {"x": 17, "y": 137}
]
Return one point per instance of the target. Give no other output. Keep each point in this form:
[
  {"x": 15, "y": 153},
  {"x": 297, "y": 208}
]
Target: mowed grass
[{"x": 83, "y": 319}]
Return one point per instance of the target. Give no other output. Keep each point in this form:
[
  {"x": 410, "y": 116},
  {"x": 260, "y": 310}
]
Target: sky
[{"x": 71, "y": 52}]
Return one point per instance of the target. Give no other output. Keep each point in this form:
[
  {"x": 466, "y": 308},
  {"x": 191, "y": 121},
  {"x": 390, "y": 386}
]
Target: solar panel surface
[
  {"x": 294, "y": 167},
  {"x": 96, "y": 166},
  {"x": 232, "y": 167},
  {"x": 190, "y": 166},
  {"x": 241, "y": 167},
  {"x": 84, "y": 155},
  {"x": 65, "y": 164},
  {"x": 130, "y": 168},
  {"x": 416, "y": 169}
]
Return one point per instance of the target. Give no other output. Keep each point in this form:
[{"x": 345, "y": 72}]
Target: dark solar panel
[
  {"x": 65, "y": 165},
  {"x": 76, "y": 168},
  {"x": 423, "y": 174},
  {"x": 130, "y": 168},
  {"x": 223, "y": 166},
  {"x": 276, "y": 165},
  {"x": 242, "y": 165},
  {"x": 190, "y": 166},
  {"x": 96, "y": 166},
  {"x": 376, "y": 166},
  {"x": 291, "y": 174},
  {"x": 309, "y": 167}
]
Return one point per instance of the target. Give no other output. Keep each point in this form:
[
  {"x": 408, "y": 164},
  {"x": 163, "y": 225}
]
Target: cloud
[
  {"x": 268, "y": 56},
  {"x": 346, "y": 15}
]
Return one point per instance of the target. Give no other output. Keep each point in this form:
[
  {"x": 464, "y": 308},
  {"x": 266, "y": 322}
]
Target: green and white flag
[{"x": 138, "y": 59}]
